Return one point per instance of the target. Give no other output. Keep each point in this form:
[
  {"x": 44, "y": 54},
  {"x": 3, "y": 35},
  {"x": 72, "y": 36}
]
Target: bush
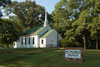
[
  {"x": 67, "y": 43},
  {"x": 77, "y": 44}
]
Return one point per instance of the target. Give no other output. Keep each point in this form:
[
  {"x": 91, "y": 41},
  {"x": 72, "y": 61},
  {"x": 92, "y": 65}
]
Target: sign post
[{"x": 74, "y": 54}]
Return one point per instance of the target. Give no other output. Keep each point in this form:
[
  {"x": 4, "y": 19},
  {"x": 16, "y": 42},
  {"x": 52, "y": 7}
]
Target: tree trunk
[
  {"x": 97, "y": 43},
  {"x": 84, "y": 41}
]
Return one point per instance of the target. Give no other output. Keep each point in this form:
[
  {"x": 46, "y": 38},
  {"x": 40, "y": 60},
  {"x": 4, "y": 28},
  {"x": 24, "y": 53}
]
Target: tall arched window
[
  {"x": 33, "y": 40},
  {"x": 22, "y": 41},
  {"x": 41, "y": 41},
  {"x": 25, "y": 40},
  {"x": 29, "y": 41}
]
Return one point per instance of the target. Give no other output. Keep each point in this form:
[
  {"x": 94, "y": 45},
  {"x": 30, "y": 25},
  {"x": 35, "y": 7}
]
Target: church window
[
  {"x": 41, "y": 41},
  {"x": 22, "y": 40},
  {"x": 29, "y": 40},
  {"x": 25, "y": 40},
  {"x": 33, "y": 40},
  {"x": 14, "y": 44}
]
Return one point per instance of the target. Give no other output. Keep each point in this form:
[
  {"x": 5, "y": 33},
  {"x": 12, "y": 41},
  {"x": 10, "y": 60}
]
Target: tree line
[{"x": 79, "y": 23}]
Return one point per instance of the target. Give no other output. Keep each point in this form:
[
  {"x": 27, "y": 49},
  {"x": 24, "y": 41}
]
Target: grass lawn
[{"x": 48, "y": 57}]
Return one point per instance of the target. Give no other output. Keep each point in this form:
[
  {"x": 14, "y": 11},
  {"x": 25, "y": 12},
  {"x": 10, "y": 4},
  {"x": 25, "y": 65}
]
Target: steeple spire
[{"x": 46, "y": 20}]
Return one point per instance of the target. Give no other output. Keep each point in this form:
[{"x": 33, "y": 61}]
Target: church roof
[
  {"x": 39, "y": 30},
  {"x": 48, "y": 33},
  {"x": 31, "y": 30},
  {"x": 34, "y": 31}
]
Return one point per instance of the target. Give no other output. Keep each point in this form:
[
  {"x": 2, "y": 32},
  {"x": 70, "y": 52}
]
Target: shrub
[{"x": 67, "y": 43}]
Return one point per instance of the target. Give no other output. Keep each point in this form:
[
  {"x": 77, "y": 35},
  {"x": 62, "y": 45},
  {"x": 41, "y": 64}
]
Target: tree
[
  {"x": 81, "y": 26},
  {"x": 69, "y": 12},
  {"x": 9, "y": 32},
  {"x": 3, "y": 3},
  {"x": 75, "y": 17},
  {"x": 94, "y": 28},
  {"x": 28, "y": 13}
]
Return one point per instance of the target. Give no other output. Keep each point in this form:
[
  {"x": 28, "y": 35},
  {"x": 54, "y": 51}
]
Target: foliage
[
  {"x": 28, "y": 13},
  {"x": 9, "y": 32},
  {"x": 79, "y": 21},
  {"x": 66, "y": 43},
  {"x": 3, "y": 3}
]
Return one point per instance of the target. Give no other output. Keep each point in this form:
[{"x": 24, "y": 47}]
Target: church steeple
[{"x": 46, "y": 20}]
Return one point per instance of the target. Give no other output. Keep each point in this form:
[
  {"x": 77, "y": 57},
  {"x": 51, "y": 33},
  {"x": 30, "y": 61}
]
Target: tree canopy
[
  {"x": 28, "y": 13},
  {"x": 3, "y": 3},
  {"x": 9, "y": 32},
  {"x": 79, "y": 21}
]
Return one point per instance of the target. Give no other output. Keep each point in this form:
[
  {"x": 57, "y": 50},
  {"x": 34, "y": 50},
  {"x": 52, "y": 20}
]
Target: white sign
[{"x": 73, "y": 54}]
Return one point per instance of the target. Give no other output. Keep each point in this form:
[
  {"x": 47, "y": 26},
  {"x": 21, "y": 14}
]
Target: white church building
[{"x": 41, "y": 37}]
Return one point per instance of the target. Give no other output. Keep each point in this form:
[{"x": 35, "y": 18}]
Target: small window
[
  {"x": 25, "y": 40},
  {"x": 41, "y": 41},
  {"x": 33, "y": 40},
  {"x": 14, "y": 44},
  {"x": 29, "y": 40},
  {"x": 22, "y": 40}
]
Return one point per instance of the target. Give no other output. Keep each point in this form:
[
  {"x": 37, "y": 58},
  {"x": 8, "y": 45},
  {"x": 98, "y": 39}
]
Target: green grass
[{"x": 48, "y": 57}]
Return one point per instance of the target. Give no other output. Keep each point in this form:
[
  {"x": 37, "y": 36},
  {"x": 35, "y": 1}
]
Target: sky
[{"x": 48, "y": 4}]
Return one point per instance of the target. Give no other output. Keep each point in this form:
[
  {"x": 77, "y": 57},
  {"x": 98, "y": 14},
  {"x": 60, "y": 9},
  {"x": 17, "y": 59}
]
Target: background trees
[
  {"x": 79, "y": 21},
  {"x": 28, "y": 13}
]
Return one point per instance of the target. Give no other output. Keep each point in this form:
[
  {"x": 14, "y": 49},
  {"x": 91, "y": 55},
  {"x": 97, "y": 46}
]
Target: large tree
[
  {"x": 94, "y": 26},
  {"x": 28, "y": 13},
  {"x": 9, "y": 32}
]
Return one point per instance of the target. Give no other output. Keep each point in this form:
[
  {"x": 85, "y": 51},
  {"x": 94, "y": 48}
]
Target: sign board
[{"x": 74, "y": 54}]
